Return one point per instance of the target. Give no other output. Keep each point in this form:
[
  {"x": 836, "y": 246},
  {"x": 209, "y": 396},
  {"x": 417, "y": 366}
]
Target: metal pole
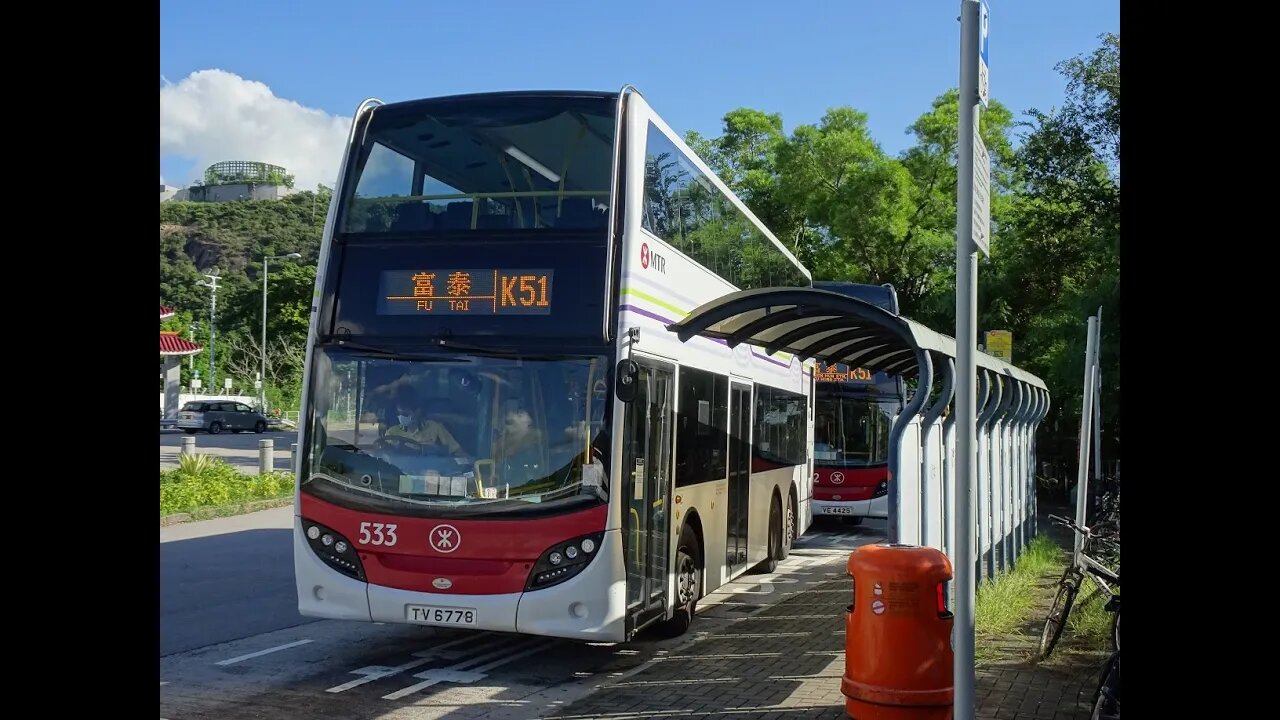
[
  {"x": 934, "y": 497},
  {"x": 212, "y": 284},
  {"x": 1086, "y": 415},
  {"x": 213, "y": 309},
  {"x": 188, "y": 445},
  {"x": 262, "y": 376},
  {"x": 1097, "y": 414},
  {"x": 964, "y": 677},
  {"x": 924, "y": 377}
]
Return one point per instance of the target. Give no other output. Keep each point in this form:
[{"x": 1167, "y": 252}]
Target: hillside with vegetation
[
  {"x": 233, "y": 238},
  {"x": 848, "y": 209}
]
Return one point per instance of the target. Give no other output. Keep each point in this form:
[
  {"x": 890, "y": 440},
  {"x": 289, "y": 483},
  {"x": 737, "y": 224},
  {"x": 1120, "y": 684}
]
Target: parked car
[{"x": 214, "y": 416}]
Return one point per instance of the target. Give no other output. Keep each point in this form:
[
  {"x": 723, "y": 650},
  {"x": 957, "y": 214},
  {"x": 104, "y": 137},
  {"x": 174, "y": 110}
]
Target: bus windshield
[
  {"x": 484, "y": 162},
  {"x": 852, "y": 431},
  {"x": 483, "y": 434}
]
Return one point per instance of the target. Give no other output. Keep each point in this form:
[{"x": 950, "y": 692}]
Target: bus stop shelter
[{"x": 834, "y": 328}]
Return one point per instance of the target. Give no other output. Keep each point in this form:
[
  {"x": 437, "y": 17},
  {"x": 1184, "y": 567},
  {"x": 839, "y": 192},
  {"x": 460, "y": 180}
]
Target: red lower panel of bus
[
  {"x": 847, "y": 483},
  {"x": 476, "y": 557}
]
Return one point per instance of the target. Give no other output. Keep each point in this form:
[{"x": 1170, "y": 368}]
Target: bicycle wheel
[
  {"x": 1106, "y": 699},
  {"x": 1115, "y": 631},
  {"x": 1068, "y": 586}
]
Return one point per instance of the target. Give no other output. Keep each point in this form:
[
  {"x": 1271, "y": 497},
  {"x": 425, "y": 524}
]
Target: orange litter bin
[{"x": 898, "y": 659}]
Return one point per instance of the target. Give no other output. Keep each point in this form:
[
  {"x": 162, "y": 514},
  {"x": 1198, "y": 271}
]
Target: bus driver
[{"x": 418, "y": 429}]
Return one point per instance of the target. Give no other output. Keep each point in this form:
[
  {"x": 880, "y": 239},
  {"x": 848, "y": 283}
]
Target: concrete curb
[{"x": 209, "y": 513}]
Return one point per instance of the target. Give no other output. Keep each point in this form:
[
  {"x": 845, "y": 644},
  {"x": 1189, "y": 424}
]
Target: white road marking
[
  {"x": 260, "y": 653},
  {"x": 377, "y": 672},
  {"x": 455, "y": 673}
]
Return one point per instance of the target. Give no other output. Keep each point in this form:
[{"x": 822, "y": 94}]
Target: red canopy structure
[{"x": 172, "y": 349}]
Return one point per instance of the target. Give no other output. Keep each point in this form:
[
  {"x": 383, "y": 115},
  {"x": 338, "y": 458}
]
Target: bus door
[
  {"x": 739, "y": 474},
  {"x": 646, "y": 515}
]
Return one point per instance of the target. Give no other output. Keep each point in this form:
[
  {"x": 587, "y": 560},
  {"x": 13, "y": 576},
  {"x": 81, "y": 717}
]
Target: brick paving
[
  {"x": 780, "y": 663},
  {"x": 785, "y": 663},
  {"x": 1015, "y": 686}
]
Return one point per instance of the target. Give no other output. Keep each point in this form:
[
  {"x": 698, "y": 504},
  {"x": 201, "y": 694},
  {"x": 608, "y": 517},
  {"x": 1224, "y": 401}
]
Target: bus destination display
[
  {"x": 840, "y": 373},
  {"x": 486, "y": 291}
]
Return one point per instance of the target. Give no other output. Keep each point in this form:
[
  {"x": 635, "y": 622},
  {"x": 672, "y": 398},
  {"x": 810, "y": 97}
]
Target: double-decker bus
[
  {"x": 854, "y": 412},
  {"x": 498, "y": 430}
]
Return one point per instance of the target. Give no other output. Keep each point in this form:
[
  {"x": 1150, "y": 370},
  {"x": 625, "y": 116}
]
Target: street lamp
[
  {"x": 191, "y": 359},
  {"x": 212, "y": 284},
  {"x": 262, "y": 376}
]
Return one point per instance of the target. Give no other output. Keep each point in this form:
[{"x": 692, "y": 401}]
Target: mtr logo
[{"x": 652, "y": 260}]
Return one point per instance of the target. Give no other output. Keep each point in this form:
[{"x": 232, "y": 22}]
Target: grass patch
[
  {"x": 203, "y": 482},
  {"x": 1005, "y": 603}
]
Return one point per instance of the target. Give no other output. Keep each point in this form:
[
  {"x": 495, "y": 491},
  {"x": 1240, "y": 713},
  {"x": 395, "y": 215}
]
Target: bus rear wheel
[
  {"x": 789, "y": 528},
  {"x": 775, "y": 538}
]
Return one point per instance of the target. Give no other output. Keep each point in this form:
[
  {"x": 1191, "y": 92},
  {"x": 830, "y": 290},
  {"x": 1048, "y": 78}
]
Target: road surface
[
  {"x": 240, "y": 450},
  {"x": 233, "y": 646}
]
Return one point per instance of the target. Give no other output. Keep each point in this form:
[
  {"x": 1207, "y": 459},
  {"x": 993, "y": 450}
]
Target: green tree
[
  {"x": 745, "y": 157},
  {"x": 1062, "y": 259},
  {"x": 932, "y": 165}
]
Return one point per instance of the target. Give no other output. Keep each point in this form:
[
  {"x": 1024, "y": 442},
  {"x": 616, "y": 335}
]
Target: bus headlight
[
  {"x": 881, "y": 489},
  {"x": 562, "y": 561},
  {"x": 334, "y": 549}
]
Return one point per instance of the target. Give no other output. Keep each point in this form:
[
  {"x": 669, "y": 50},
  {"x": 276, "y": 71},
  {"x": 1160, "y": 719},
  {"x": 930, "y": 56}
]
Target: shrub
[{"x": 204, "y": 481}]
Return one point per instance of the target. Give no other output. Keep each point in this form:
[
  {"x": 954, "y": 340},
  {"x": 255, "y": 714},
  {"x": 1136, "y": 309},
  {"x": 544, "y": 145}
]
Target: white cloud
[{"x": 214, "y": 115}]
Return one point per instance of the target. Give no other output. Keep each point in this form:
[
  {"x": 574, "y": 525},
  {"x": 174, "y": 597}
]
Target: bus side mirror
[{"x": 628, "y": 373}]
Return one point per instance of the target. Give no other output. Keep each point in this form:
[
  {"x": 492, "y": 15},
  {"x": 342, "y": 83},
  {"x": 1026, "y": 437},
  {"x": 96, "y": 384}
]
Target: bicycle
[
  {"x": 1107, "y": 507},
  {"x": 1106, "y": 698},
  {"x": 1069, "y": 587}
]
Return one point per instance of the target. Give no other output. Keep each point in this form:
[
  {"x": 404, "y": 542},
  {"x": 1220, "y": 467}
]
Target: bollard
[
  {"x": 293, "y": 456},
  {"x": 898, "y": 656},
  {"x": 189, "y": 445},
  {"x": 266, "y": 456}
]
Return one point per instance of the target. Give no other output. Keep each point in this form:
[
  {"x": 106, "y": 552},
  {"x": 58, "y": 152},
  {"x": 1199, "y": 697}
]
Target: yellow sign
[{"x": 1000, "y": 344}]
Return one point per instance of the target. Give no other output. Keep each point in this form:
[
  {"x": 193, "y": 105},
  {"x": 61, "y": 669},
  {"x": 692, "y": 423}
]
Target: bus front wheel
[{"x": 688, "y": 584}]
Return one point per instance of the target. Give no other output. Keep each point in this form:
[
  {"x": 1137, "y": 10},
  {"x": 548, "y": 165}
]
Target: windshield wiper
[
  {"x": 448, "y": 342},
  {"x": 445, "y": 341},
  {"x": 379, "y": 351}
]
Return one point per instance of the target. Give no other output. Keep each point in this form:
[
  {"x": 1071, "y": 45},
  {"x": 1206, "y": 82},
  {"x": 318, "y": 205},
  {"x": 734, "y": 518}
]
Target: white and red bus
[
  {"x": 854, "y": 412},
  {"x": 499, "y": 431}
]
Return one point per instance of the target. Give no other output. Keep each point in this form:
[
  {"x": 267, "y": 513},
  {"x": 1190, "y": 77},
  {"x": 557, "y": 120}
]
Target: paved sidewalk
[
  {"x": 785, "y": 663},
  {"x": 782, "y": 662}
]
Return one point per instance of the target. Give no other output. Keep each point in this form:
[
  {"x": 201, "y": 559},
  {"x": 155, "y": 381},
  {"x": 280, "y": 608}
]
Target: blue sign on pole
[{"x": 984, "y": 21}]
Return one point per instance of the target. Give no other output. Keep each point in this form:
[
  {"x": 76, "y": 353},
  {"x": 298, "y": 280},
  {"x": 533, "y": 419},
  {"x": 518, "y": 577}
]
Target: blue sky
[{"x": 693, "y": 61}]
